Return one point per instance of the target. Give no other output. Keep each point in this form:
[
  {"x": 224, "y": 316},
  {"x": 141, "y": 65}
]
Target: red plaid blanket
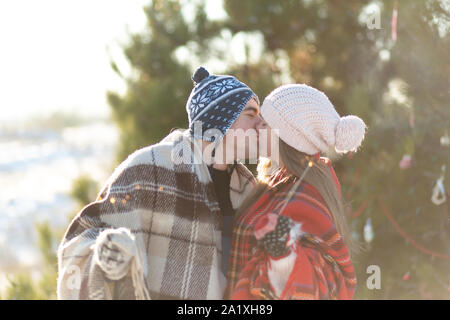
[{"x": 323, "y": 268}]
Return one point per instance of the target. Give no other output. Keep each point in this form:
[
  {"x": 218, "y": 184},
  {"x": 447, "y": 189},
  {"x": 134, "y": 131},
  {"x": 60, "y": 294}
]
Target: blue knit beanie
[{"x": 215, "y": 103}]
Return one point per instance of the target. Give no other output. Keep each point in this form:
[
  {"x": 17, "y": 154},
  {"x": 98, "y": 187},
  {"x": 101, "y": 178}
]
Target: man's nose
[{"x": 261, "y": 124}]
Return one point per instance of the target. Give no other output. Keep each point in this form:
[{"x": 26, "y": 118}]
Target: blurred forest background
[{"x": 385, "y": 61}]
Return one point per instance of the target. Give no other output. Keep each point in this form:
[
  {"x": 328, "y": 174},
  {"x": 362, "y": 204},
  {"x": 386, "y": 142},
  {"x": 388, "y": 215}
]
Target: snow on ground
[{"x": 37, "y": 169}]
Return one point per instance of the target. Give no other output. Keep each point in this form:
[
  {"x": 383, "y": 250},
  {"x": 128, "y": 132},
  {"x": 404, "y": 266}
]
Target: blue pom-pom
[{"x": 200, "y": 74}]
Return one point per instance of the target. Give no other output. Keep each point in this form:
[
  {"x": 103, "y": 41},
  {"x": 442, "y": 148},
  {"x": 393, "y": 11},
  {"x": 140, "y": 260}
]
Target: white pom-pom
[{"x": 350, "y": 133}]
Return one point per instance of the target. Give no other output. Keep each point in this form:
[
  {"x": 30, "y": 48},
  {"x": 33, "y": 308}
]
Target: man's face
[{"x": 241, "y": 142}]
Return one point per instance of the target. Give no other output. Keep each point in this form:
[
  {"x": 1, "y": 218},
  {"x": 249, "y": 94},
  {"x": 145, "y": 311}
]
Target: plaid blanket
[
  {"x": 174, "y": 218},
  {"x": 322, "y": 268}
]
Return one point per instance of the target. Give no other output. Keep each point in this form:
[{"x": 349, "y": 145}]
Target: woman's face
[{"x": 269, "y": 143}]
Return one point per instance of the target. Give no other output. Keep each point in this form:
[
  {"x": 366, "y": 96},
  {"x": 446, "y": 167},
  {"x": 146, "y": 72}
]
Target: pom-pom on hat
[
  {"x": 308, "y": 121},
  {"x": 215, "y": 103},
  {"x": 199, "y": 74}
]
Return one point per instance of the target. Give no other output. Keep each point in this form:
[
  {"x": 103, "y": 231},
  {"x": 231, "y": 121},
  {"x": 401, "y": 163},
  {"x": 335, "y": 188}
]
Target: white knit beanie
[{"x": 308, "y": 122}]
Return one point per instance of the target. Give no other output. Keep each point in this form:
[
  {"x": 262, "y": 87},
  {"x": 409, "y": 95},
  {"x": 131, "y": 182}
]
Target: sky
[{"x": 53, "y": 54}]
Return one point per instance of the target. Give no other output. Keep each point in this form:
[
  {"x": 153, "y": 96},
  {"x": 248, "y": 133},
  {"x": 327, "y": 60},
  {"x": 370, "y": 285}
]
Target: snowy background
[
  {"x": 37, "y": 169},
  {"x": 55, "y": 58}
]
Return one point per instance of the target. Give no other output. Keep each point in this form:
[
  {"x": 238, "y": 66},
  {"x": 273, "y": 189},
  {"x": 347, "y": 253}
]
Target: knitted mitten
[
  {"x": 113, "y": 250},
  {"x": 272, "y": 232},
  {"x": 278, "y": 236}
]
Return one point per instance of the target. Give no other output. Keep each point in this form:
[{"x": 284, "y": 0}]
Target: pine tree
[
  {"x": 399, "y": 88},
  {"x": 409, "y": 126},
  {"x": 329, "y": 47},
  {"x": 25, "y": 286},
  {"x": 157, "y": 93}
]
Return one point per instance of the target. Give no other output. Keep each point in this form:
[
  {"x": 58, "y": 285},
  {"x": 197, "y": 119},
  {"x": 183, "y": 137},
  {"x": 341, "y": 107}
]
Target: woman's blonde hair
[{"x": 319, "y": 176}]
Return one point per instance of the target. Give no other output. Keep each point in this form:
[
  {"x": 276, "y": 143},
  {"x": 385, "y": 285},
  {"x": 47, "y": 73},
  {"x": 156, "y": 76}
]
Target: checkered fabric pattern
[
  {"x": 113, "y": 250},
  {"x": 173, "y": 215},
  {"x": 322, "y": 269}
]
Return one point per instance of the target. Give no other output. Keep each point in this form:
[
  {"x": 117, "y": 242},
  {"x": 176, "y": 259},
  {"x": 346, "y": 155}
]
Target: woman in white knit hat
[{"x": 290, "y": 238}]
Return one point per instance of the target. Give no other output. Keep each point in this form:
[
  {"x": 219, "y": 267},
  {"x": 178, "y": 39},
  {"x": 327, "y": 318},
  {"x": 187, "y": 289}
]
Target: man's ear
[
  {"x": 218, "y": 151},
  {"x": 207, "y": 153}
]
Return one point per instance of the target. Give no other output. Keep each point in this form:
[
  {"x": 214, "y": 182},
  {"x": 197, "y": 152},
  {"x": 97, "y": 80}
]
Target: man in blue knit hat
[{"x": 161, "y": 225}]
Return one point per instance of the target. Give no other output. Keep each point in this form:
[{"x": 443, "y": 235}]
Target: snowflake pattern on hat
[{"x": 216, "y": 101}]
